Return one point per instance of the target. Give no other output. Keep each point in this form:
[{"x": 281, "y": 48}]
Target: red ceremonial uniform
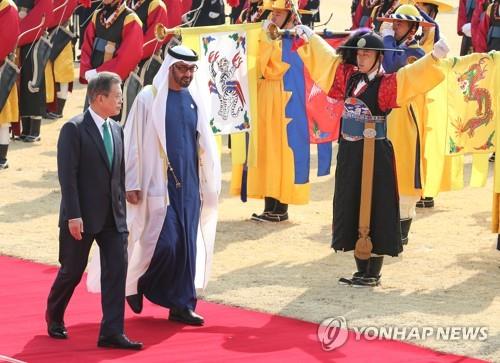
[
  {"x": 9, "y": 28},
  {"x": 125, "y": 32},
  {"x": 61, "y": 14},
  {"x": 37, "y": 9},
  {"x": 186, "y": 5},
  {"x": 387, "y": 95},
  {"x": 464, "y": 14},
  {"x": 488, "y": 30},
  {"x": 151, "y": 13},
  {"x": 174, "y": 12},
  {"x": 477, "y": 15}
]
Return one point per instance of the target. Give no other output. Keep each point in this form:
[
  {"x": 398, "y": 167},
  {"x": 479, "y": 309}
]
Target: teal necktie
[{"x": 108, "y": 142}]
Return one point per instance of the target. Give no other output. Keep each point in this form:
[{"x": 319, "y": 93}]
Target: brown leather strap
[{"x": 363, "y": 245}]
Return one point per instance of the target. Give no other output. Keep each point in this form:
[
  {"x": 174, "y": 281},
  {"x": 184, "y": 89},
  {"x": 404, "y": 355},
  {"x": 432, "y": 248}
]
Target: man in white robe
[{"x": 171, "y": 223}]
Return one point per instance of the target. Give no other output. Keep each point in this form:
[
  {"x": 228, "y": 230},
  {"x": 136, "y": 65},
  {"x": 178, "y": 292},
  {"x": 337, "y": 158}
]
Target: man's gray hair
[{"x": 101, "y": 84}]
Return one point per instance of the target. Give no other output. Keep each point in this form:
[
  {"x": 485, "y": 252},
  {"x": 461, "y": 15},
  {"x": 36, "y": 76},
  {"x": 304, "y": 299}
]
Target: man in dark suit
[{"x": 92, "y": 177}]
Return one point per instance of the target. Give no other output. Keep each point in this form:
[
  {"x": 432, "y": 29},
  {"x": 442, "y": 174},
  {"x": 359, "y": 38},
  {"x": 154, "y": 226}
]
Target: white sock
[{"x": 4, "y": 134}]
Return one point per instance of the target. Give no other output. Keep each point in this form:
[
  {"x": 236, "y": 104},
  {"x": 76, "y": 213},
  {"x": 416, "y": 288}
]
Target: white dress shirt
[{"x": 371, "y": 76}]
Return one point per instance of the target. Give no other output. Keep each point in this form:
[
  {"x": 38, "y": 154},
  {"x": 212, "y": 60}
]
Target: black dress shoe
[
  {"x": 135, "y": 303},
  {"x": 119, "y": 341},
  {"x": 57, "y": 330},
  {"x": 186, "y": 316}
]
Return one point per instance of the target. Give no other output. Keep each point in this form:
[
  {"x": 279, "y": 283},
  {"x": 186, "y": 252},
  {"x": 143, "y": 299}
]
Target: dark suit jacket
[{"x": 89, "y": 187}]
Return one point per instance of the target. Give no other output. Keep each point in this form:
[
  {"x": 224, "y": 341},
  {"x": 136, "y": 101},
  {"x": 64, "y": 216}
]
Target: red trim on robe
[
  {"x": 9, "y": 31},
  {"x": 33, "y": 19},
  {"x": 158, "y": 15},
  {"x": 65, "y": 12},
  {"x": 174, "y": 12},
  {"x": 462, "y": 16},
  {"x": 387, "y": 96}
]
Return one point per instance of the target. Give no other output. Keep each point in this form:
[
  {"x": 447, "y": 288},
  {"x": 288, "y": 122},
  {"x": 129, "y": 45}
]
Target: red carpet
[{"x": 231, "y": 334}]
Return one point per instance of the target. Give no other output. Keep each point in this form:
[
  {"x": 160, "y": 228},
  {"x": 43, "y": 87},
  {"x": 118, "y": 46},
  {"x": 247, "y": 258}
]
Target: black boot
[
  {"x": 427, "y": 202},
  {"x": 405, "y": 229},
  {"x": 25, "y": 127},
  {"x": 60, "y": 103},
  {"x": 269, "y": 205},
  {"x": 362, "y": 268},
  {"x": 3, "y": 156},
  {"x": 372, "y": 276},
  {"x": 280, "y": 208},
  {"x": 279, "y": 214},
  {"x": 34, "y": 134},
  {"x": 49, "y": 115}
]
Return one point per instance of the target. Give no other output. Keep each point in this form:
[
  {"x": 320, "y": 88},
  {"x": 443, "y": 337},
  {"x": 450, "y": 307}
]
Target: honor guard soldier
[
  {"x": 151, "y": 13},
  {"x": 429, "y": 36},
  {"x": 33, "y": 43},
  {"x": 406, "y": 124},
  {"x": 59, "y": 70},
  {"x": 465, "y": 12},
  {"x": 112, "y": 42},
  {"x": 489, "y": 29},
  {"x": 365, "y": 204},
  {"x": 9, "y": 111}
]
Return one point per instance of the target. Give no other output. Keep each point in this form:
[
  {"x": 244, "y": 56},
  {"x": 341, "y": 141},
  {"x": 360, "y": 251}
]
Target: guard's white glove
[
  {"x": 386, "y": 29},
  {"x": 441, "y": 48},
  {"x": 304, "y": 32},
  {"x": 466, "y": 29},
  {"x": 90, "y": 74}
]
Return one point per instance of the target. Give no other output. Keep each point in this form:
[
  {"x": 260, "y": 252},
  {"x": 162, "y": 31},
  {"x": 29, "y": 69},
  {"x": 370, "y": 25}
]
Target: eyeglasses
[{"x": 183, "y": 68}]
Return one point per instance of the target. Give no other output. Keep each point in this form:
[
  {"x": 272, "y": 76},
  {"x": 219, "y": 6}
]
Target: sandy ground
[{"x": 448, "y": 275}]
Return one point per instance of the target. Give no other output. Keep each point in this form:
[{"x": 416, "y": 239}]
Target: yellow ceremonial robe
[
  {"x": 10, "y": 112},
  {"x": 273, "y": 173},
  {"x": 59, "y": 71}
]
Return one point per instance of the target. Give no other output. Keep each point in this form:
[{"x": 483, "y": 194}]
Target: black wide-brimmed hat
[{"x": 370, "y": 41}]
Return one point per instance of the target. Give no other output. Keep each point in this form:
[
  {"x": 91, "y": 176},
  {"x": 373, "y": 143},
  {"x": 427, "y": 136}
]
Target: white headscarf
[{"x": 161, "y": 78}]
